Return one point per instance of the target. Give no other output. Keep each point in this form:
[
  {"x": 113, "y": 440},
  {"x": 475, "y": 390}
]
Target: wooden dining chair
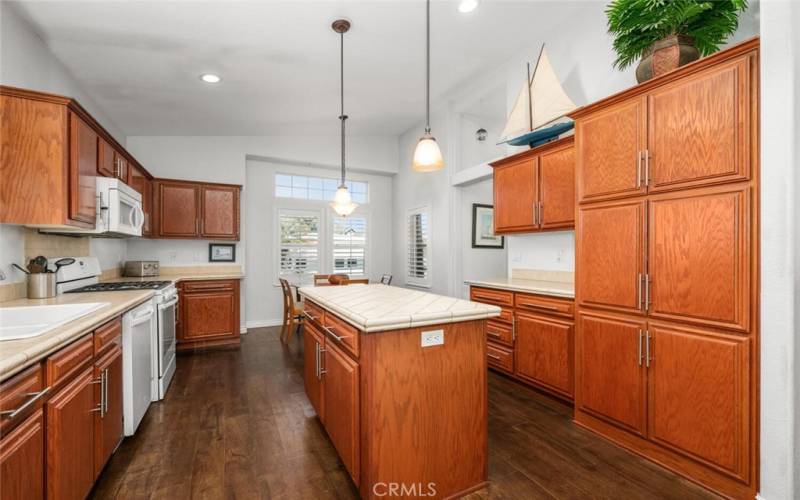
[
  {"x": 386, "y": 279},
  {"x": 357, "y": 281},
  {"x": 292, "y": 313},
  {"x": 330, "y": 279}
]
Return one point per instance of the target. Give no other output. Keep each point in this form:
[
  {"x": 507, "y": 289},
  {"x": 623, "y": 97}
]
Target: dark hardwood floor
[{"x": 237, "y": 424}]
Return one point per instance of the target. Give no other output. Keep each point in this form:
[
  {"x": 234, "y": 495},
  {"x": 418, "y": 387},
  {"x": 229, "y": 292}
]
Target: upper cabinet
[
  {"x": 688, "y": 132},
  {"x": 195, "y": 210},
  {"x": 535, "y": 190},
  {"x": 82, "y": 170},
  {"x": 112, "y": 163}
]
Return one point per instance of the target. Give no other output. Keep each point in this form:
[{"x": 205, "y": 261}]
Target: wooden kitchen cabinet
[
  {"x": 611, "y": 373},
  {"x": 535, "y": 190},
  {"x": 106, "y": 164},
  {"x": 70, "y": 438},
  {"x": 209, "y": 314},
  {"x": 83, "y": 171},
  {"x": 138, "y": 180},
  {"x": 220, "y": 212},
  {"x": 313, "y": 345},
  {"x": 515, "y": 196},
  {"x": 544, "y": 351},
  {"x": 610, "y": 244},
  {"x": 108, "y": 395},
  {"x": 22, "y": 460},
  {"x": 178, "y": 205},
  {"x": 341, "y": 396}
]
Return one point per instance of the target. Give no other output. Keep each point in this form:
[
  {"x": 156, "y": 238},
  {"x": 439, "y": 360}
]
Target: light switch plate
[{"x": 432, "y": 337}]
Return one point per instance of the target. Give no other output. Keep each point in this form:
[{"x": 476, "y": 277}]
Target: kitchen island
[{"x": 398, "y": 378}]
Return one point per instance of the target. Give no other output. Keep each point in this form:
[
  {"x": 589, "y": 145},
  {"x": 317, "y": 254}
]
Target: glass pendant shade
[
  {"x": 342, "y": 202},
  {"x": 427, "y": 155}
]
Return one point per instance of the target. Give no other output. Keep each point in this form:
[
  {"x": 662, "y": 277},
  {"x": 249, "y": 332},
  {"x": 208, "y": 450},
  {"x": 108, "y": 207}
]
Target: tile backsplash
[{"x": 51, "y": 245}]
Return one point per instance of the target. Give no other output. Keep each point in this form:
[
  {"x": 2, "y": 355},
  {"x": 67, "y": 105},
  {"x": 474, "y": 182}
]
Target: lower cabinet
[
  {"x": 209, "y": 312},
  {"x": 108, "y": 397},
  {"x": 313, "y": 349},
  {"x": 340, "y": 394},
  {"x": 544, "y": 351},
  {"x": 70, "y": 438},
  {"x": 22, "y": 460}
]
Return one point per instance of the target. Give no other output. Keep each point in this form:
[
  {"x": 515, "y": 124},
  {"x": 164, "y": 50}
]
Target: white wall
[
  {"x": 263, "y": 294},
  {"x": 553, "y": 251}
]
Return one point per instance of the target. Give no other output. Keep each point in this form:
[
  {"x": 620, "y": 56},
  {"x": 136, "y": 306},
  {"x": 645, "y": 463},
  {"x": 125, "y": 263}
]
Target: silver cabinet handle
[
  {"x": 331, "y": 332},
  {"x": 493, "y": 356},
  {"x": 647, "y": 348},
  {"x": 646, "y": 292},
  {"x": 535, "y": 213},
  {"x": 34, "y": 396},
  {"x": 316, "y": 359},
  {"x": 321, "y": 371},
  {"x": 541, "y": 213},
  {"x": 639, "y": 357},
  {"x": 105, "y": 392},
  {"x": 513, "y": 327},
  {"x": 310, "y": 316}
]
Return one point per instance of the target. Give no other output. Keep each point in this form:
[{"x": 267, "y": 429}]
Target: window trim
[
  {"x": 426, "y": 282},
  {"x": 365, "y": 214},
  {"x": 321, "y": 237},
  {"x": 315, "y": 200}
]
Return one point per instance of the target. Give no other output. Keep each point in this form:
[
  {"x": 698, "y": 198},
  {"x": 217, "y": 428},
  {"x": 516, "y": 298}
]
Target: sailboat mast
[{"x": 530, "y": 103}]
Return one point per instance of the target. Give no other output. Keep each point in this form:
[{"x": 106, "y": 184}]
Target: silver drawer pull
[
  {"x": 493, "y": 356},
  {"x": 540, "y": 306},
  {"x": 494, "y": 334},
  {"x": 331, "y": 332},
  {"x": 34, "y": 396},
  {"x": 311, "y": 316}
]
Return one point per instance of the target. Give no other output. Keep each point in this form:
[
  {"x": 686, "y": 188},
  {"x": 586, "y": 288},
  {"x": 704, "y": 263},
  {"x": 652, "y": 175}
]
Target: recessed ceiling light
[
  {"x": 210, "y": 78},
  {"x": 467, "y": 6}
]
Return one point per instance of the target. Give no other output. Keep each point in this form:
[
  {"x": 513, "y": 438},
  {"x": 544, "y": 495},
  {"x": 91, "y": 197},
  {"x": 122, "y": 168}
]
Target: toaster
[{"x": 140, "y": 268}]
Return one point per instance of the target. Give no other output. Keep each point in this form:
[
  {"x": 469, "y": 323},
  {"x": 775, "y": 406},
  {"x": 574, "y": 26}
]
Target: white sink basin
[{"x": 26, "y": 322}]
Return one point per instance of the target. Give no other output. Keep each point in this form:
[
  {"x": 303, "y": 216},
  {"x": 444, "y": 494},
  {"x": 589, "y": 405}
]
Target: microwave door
[{"x": 125, "y": 214}]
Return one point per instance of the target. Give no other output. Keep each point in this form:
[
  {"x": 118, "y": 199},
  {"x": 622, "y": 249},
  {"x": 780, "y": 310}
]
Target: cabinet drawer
[
  {"x": 108, "y": 334},
  {"x": 209, "y": 286},
  {"x": 342, "y": 333},
  {"x": 499, "y": 332},
  {"x": 23, "y": 389},
  {"x": 490, "y": 296},
  {"x": 314, "y": 312},
  {"x": 500, "y": 358},
  {"x": 69, "y": 360},
  {"x": 506, "y": 315},
  {"x": 544, "y": 305}
]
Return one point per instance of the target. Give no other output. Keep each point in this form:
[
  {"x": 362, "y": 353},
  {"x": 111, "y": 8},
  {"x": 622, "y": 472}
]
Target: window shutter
[
  {"x": 350, "y": 245},
  {"x": 418, "y": 266},
  {"x": 299, "y": 244}
]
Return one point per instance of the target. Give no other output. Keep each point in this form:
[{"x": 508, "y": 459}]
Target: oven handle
[
  {"x": 142, "y": 317},
  {"x": 166, "y": 305}
]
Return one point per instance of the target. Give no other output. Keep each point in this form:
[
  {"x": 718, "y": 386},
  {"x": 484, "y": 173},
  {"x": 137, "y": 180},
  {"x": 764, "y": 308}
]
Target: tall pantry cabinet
[{"x": 667, "y": 270}]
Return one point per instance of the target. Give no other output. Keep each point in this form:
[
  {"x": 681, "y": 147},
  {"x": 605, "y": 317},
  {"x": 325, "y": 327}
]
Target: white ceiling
[{"x": 279, "y": 60}]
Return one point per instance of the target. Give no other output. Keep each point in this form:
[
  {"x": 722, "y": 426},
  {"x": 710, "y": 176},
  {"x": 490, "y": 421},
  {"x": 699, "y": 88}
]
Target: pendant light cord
[
  {"x": 342, "y": 116},
  {"x": 428, "y": 68}
]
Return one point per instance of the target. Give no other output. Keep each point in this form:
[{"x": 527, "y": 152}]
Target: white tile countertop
[
  {"x": 541, "y": 287},
  {"x": 377, "y": 308}
]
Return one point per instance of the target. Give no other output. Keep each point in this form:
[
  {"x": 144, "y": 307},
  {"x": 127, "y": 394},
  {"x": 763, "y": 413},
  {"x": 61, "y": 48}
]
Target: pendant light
[
  {"x": 342, "y": 201},
  {"x": 427, "y": 155}
]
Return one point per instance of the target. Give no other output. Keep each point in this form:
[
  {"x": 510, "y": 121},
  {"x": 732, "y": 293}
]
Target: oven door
[
  {"x": 166, "y": 335},
  {"x": 125, "y": 214}
]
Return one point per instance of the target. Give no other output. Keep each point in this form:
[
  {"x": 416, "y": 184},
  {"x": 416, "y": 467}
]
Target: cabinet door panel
[
  {"x": 105, "y": 162},
  {"x": 699, "y": 128},
  {"x": 557, "y": 188},
  {"x": 610, "y": 374},
  {"x": 515, "y": 196},
  {"x": 179, "y": 210},
  {"x": 108, "y": 424},
  {"x": 341, "y": 394},
  {"x": 699, "y": 257},
  {"x": 83, "y": 171},
  {"x": 610, "y": 255},
  {"x": 544, "y": 351},
  {"x": 208, "y": 315},
  {"x": 607, "y": 148},
  {"x": 313, "y": 340},
  {"x": 699, "y": 393},
  {"x": 22, "y": 460},
  {"x": 220, "y": 216},
  {"x": 70, "y": 439}
]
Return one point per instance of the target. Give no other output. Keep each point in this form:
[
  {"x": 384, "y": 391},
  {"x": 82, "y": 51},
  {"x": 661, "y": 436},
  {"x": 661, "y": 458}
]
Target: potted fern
[{"x": 666, "y": 34}]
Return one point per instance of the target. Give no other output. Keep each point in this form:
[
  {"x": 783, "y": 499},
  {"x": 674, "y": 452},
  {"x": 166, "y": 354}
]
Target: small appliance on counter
[{"x": 138, "y": 268}]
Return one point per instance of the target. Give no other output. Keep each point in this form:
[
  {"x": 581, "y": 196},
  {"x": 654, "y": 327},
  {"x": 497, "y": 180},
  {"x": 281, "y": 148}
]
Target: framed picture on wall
[
  {"x": 483, "y": 227},
  {"x": 221, "y": 252}
]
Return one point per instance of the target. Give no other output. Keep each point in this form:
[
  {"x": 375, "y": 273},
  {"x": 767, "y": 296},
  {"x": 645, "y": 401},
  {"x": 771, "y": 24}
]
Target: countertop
[
  {"x": 541, "y": 287},
  {"x": 376, "y": 308},
  {"x": 16, "y": 355}
]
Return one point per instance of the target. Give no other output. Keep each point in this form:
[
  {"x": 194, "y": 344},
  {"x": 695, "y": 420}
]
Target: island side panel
[{"x": 424, "y": 411}]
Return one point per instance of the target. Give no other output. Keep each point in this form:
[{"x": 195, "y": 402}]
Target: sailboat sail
[{"x": 541, "y": 101}]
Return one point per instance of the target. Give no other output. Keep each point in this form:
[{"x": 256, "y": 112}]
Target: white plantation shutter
[
  {"x": 299, "y": 243},
  {"x": 349, "y": 245},
  {"x": 418, "y": 270}
]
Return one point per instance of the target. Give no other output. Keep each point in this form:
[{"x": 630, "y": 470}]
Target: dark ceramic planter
[{"x": 666, "y": 55}]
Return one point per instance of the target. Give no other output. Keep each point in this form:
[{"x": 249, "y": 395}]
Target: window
[
  {"x": 317, "y": 188},
  {"x": 418, "y": 271},
  {"x": 349, "y": 245},
  {"x": 299, "y": 244}
]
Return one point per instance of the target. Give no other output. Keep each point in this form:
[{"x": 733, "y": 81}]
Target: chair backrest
[
  {"x": 357, "y": 281},
  {"x": 338, "y": 279},
  {"x": 386, "y": 279},
  {"x": 321, "y": 279},
  {"x": 288, "y": 299}
]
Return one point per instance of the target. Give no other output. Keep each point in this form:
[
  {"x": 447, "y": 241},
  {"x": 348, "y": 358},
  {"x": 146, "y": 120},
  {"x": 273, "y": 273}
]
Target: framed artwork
[
  {"x": 221, "y": 252},
  {"x": 483, "y": 227}
]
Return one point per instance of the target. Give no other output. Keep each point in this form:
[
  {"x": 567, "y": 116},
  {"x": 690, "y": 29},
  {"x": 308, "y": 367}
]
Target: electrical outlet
[{"x": 432, "y": 337}]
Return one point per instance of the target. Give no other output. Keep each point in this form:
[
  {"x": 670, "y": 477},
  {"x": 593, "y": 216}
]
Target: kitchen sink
[{"x": 26, "y": 322}]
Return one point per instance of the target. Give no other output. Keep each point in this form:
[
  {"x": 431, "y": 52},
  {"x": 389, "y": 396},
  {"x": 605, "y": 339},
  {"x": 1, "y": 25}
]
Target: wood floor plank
[{"x": 236, "y": 424}]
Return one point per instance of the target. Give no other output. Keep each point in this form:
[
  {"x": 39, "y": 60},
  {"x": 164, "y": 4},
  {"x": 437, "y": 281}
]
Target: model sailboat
[{"x": 539, "y": 112}]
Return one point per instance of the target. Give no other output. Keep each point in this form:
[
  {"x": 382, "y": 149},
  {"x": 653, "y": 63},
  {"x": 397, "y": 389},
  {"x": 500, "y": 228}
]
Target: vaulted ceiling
[{"x": 279, "y": 60}]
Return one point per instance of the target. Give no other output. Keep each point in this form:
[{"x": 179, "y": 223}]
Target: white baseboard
[
  {"x": 263, "y": 323},
  {"x": 242, "y": 329}
]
